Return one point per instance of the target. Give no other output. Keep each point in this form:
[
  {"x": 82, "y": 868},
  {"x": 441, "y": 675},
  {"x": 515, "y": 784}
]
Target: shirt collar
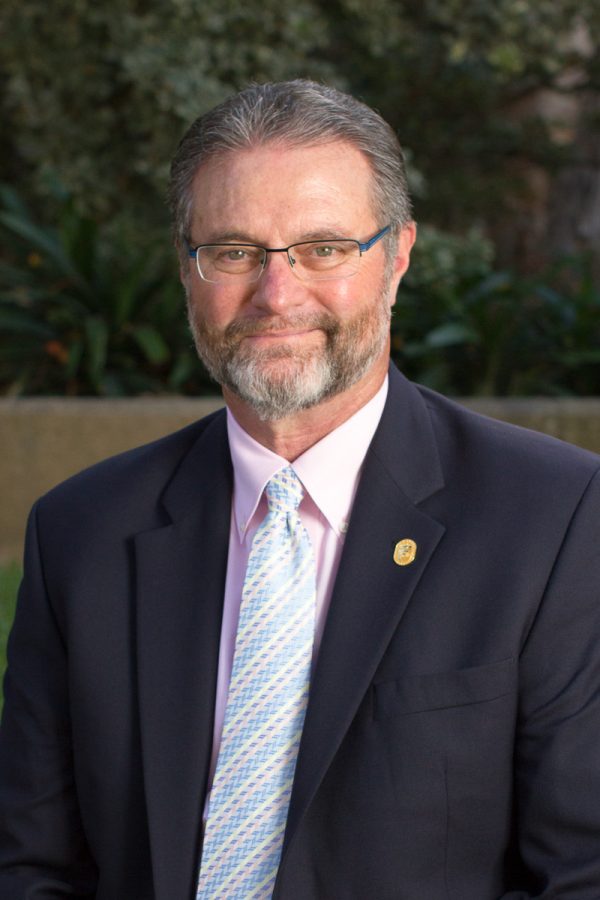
[{"x": 329, "y": 470}]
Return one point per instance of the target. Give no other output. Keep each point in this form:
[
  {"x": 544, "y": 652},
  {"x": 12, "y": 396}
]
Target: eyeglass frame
[{"x": 363, "y": 246}]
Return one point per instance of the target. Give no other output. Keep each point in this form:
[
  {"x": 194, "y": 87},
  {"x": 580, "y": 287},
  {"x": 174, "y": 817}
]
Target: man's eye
[
  {"x": 323, "y": 255},
  {"x": 236, "y": 254},
  {"x": 325, "y": 251}
]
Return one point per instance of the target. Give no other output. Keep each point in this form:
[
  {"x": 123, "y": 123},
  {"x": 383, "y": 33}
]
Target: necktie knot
[{"x": 284, "y": 491}]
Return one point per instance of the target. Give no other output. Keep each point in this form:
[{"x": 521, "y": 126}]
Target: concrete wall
[{"x": 44, "y": 441}]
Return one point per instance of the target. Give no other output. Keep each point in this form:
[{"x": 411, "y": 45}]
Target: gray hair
[{"x": 298, "y": 113}]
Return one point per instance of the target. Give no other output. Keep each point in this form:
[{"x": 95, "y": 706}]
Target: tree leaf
[
  {"x": 450, "y": 334},
  {"x": 151, "y": 344},
  {"x": 96, "y": 333}
]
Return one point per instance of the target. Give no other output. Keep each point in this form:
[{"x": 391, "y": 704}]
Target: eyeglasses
[{"x": 309, "y": 260}]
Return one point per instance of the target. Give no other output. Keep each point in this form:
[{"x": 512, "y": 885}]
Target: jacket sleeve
[
  {"x": 43, "y": 851},
  {"x": 557, "y": 752}
]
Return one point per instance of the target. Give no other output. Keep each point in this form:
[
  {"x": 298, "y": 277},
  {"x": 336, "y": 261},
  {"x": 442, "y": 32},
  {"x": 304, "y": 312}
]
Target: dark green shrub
[
  {"x": 463, "y": 327},
  {"x": 83, "y": 313}
]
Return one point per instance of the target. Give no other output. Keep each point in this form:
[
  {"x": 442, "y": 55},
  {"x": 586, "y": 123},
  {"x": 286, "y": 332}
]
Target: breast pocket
[{"x": 444, "y": 690}]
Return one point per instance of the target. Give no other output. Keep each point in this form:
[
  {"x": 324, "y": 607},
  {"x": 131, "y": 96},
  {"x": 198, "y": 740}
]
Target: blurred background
[{"x": 496, "y": 102}]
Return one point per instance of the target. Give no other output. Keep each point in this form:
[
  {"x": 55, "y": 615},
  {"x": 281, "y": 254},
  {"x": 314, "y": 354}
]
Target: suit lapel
[
  {"x": 180, "y": 584},
  {"x": 371, "y": 591}
]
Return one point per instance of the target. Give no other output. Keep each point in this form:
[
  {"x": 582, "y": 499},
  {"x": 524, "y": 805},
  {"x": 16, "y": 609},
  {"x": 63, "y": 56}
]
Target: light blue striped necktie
[{"x": 268, "y": 694}]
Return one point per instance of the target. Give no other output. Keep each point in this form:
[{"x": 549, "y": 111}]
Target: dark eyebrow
[
  {"x": 324, "y": 234},
  {"x": 228, "y": 237}
]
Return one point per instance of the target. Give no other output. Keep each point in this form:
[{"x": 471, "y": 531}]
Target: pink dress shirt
[{"x": 330, "y": 471}]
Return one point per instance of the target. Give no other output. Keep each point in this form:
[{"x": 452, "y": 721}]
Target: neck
[{"x": 290, "y": 437}]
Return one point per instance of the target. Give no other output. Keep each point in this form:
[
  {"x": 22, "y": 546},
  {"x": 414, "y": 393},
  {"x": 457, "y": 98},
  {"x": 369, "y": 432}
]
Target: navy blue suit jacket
[{"x": 451, "y": 749}]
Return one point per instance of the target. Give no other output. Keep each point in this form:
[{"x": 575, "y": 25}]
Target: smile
[{"x": 270, "y": 336}]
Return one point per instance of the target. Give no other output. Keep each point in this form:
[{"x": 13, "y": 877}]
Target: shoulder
[
  {"x": 431, "y": 442},
  {"x": 492, "y": 469},
  {"x": 476, "y": 439},
  {"x": 132, "y": 480}
]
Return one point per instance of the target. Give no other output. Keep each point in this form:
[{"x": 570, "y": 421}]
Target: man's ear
[{"x": 406, "y": 239}]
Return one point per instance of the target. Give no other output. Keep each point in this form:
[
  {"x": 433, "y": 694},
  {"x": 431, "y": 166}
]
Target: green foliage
[
  {"x": 80, "y": 314},
  {"x": 464, "y": 327}
]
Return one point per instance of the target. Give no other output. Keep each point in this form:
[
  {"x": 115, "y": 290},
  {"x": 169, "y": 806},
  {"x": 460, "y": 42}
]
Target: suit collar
[
  {"x": 405, "y": 442},
  {"x": 189, "y": 487}
]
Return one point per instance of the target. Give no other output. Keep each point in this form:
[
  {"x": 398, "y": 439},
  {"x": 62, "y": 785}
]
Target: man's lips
[
  {"x": 288, "y": 334},
  {"x": 284, "y": 329}
]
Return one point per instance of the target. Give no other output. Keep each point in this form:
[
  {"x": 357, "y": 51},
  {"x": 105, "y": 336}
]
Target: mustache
[{"x": 240, "y": 328}]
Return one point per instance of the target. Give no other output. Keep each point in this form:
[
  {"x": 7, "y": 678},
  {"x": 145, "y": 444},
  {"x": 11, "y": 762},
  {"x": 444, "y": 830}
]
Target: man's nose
[{"x": 278, "y": 288}]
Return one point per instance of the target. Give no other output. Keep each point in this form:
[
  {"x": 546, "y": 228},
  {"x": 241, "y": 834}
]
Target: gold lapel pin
[{"x": 405, "y": 552}]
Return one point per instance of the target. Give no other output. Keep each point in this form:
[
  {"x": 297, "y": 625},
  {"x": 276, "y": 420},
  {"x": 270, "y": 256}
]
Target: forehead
[{"x": 283, "y": 189}]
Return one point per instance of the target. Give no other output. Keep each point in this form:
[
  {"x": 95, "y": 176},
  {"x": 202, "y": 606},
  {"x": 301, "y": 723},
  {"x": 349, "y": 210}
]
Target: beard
[{"x": 281, "y": 380}]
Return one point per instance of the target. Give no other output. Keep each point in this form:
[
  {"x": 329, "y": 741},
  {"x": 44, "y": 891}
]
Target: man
[{"x": 440, "y": 572}]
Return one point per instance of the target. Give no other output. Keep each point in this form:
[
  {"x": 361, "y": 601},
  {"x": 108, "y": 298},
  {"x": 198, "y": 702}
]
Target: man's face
[{"x": 282, "y": 344}]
